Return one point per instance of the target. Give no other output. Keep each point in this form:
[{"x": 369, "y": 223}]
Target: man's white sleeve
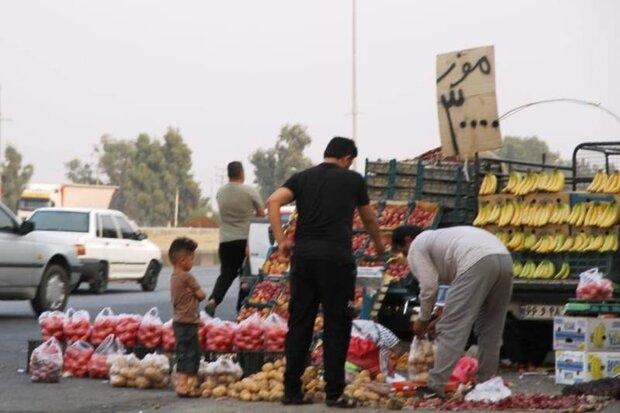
[{"x": 424, "y": 270}]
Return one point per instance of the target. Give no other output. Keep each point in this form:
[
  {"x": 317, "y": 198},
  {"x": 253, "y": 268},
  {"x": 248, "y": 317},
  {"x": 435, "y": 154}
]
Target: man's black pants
[
  {"x": 187, "y": 347},
  {"x": 331, "y": 284},
  {"x": 231, "y": 254}
]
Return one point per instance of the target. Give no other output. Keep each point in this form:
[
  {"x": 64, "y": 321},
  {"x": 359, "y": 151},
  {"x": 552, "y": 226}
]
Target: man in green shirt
[{"x": 237, "y": 203}]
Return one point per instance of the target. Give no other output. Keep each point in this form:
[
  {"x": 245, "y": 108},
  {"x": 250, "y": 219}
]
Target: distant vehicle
[
  {"x": 63, "y": 195},
  {"x": 35, "y": 269},
  {"x": 109, "y": 246}
]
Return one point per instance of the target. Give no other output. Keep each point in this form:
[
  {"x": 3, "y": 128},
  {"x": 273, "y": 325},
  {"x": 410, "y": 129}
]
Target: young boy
[{"x": 186, "y": 294}]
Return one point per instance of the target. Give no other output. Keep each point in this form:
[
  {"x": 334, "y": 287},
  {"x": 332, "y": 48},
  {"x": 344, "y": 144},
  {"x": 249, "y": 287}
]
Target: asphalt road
[{"x": 18, "y": 394}]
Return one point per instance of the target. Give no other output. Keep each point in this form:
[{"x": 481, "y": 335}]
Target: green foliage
[
  {"x": 80, "y": 173},
  {"x": 529, "y": 149},
  {"x": 15, "y": 177},
  {"x": 148, "y": 173},
  {"x": 273, "y": 166}
]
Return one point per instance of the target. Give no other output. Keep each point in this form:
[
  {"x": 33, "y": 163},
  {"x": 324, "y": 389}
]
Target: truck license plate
[{"x": 540, "y": 312}]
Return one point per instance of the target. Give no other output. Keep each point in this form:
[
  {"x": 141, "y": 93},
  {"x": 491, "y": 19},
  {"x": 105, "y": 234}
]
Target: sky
[{"x": 229, "y": 74}]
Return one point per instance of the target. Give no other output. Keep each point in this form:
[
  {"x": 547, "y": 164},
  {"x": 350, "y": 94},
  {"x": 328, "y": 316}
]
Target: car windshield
[
  {"x": 60, "y": 221},
  {"x": 30, "y": 204}
]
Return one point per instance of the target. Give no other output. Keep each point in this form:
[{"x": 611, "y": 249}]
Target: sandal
[{"x": 343, "y": 402}]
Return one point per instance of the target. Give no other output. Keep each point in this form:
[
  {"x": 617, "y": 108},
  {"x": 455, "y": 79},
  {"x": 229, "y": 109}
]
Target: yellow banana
[
  {"x": 529, "y": 242},
  {"x": 508, "y": 211},
  {"x": 568, "y": 244},
  {"x": 517, "y": 268},
  {"x": 598, "y": 182},
  {"x": 516, "y": 217}
]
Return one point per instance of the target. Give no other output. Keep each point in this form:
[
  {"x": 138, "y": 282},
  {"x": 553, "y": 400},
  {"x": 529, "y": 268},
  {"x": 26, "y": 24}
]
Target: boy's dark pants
[{"x": 187, "y": 347}]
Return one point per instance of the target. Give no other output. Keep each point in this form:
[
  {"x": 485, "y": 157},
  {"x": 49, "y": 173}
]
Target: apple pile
[
  {"x": 276, "y": 264},
  {"x": 220, "y": 337},
  {"x": 77, "y": 357},
  {"x": 397, "y": 269},
  {"x": 76, "y": 326},
  {"x": 52, "y": 324},
  {"x": 392, "y": 216},
  {"x": 246, "y": 312},
  {"x": 126, "y": 330},
  {"x": 358, "y": 243},
  {"x": 98, "y": 364},
  {"x": 422, "y": 215},
  {"x": 265, "y": 292},
  {"x": 371, "y": 251}
]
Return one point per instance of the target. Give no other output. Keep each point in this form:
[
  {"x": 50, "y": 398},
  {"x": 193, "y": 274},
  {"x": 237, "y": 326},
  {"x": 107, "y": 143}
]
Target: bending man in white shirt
[{"x": 478, "y": 269}]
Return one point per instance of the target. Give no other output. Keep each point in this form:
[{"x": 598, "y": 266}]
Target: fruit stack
[
  {"x": 265, "y": 292},
  {"x": 393, "y": 215},
  {"x": 276, "y": 264},
  {"x": 605, "y": 184}
]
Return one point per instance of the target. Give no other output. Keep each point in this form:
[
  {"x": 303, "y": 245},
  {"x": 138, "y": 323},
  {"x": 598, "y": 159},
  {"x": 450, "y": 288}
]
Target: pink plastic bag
[
  {"x": 168, "y": 340},
  {"x": 51, "y": 323},
  {"x": 98, "y": 366},
  {"x": 592, "y": 286},
  {"x": 46, "y": 362},
  {"x": 77, "y": 358},
  {"x": 76, "y": 326},
  {"x": 220, "y": 336},
  {"x": 275, "y": 333},
  {"x": 149, "y": 333},
  {"x": 126, "y": 329},
  {"x": 250, "y": 334},
  {"x": 465, "y": 370},
  {"x": 105, "y": 324},
  {"x": 206, "y": 322}
]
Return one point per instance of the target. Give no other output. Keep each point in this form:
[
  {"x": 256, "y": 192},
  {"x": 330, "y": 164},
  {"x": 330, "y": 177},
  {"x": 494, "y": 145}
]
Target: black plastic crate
[{"x": 580, "y": 262}]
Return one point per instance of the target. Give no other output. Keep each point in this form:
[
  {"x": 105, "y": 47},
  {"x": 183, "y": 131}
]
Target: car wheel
[
  {"x": 149, "y": 281},
  {"x": 99, "y": 283},
  {"x": 53, "y": 292}
]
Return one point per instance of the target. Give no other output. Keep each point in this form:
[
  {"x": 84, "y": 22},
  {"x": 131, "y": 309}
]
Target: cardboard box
[
  {"x": 581, "y": 366},
  {"x": 586, "y": 334}
]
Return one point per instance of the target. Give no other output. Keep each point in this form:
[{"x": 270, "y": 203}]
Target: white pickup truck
[{"x": 110, "y": 247}]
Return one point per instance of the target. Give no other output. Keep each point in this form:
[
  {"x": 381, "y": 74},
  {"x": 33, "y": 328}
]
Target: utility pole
[
  {"x": 354, "y": 78},
  {"x": 1, "y": 152}
]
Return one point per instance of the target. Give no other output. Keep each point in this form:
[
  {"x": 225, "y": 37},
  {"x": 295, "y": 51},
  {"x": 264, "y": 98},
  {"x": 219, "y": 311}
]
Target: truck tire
[
  {"x": 149, "y": 281},
  {"x": 53, "y": 291},
  {"x": 99, "y": 284}
]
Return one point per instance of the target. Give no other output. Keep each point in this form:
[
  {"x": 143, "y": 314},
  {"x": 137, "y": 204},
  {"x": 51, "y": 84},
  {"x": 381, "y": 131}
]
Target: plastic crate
[
  {"x": 580, "y": 262},
  {"x": 276, "y": 282},
  {"x": 379, "y": 166},
  {"x": 405, "y": 181},
  {"x": 403, "y": 194},
  {"x": 377, "y": 194},
  {"x": 379, "y": 181},
  {"x": 407, "y": 167}
]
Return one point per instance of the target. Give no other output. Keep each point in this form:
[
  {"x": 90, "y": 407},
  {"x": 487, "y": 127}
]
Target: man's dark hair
[
  {"x": 235, "y": 168},
  {"x": 340, "y": 147},
  {"x": 401, "y": 233},
  {"x": 181, "y": 246}
]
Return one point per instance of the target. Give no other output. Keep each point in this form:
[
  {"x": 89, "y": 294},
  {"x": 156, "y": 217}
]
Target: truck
[{"x": 63, "y": 195}]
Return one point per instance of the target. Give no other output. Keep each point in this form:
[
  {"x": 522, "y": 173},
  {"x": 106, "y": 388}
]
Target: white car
[
  {"x": 32, "y": 268},
  {"x": 109, "y": 247}
]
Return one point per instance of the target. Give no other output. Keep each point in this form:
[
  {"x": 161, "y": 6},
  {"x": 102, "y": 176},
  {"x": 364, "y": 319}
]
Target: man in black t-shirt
[{"x": 322, "y": 266}]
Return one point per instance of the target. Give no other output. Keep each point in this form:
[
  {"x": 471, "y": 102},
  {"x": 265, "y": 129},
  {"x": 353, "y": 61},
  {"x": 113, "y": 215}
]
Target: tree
[
  {"x": 529, "y": 149},
  {"x": 148, "y": 173},
  {"x": 273, "y": 166},
  {"x": 80, "y": 173},
  {"x": 15, "y": 177}
]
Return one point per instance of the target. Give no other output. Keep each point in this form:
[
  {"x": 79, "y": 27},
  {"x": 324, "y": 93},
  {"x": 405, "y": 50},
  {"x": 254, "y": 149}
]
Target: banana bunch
[
  {"x": 503, "y": 236},
  {"x": 488, "y": 213},
  {"x": 516, "y": 242},
  {"x": 488, "y": 185},
  {"x": 597, "y": 214},
  {"x": 549, "y": 243},
  {"x": 602, "y": 183},
  {"x": 543, "y": 270},
  {"x": 590, "y": 243},
  {"x": 534, "y": 182}
]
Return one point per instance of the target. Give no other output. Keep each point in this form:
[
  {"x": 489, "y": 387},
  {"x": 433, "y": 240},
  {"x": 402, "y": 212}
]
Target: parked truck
[{"x": 63, "y": 195}]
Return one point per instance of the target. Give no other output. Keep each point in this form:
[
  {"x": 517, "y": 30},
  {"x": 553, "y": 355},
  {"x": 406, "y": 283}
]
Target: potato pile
[
  {"x": 362, "y": 391},
  {"x": 312, "y": 384},
  {"x": 267, "y": 385},
  {"x": 421, "y": 360},
  {"x": 152, "y": 372}
]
